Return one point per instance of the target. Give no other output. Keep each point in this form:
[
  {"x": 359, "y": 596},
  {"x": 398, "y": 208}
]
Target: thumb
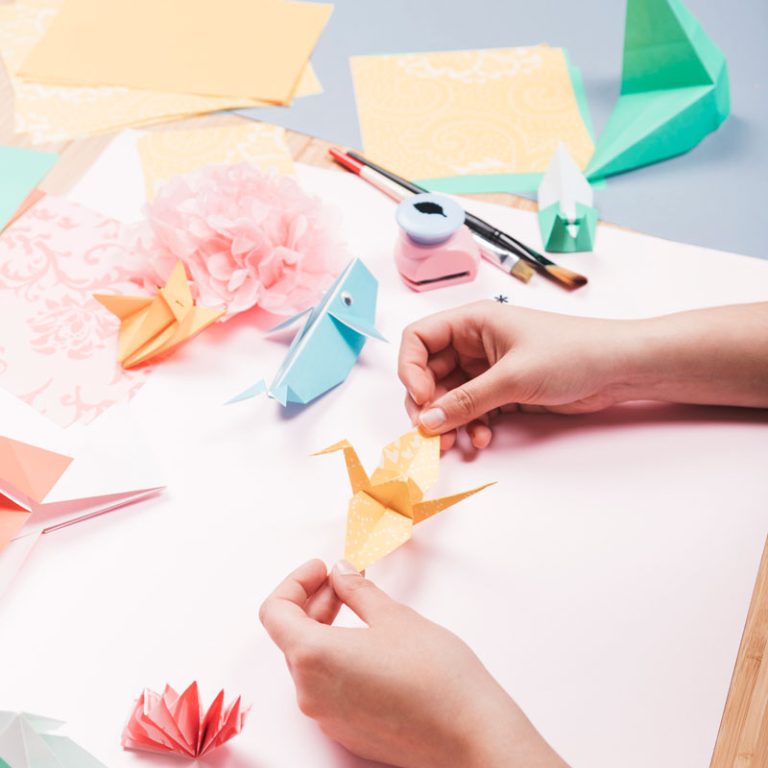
[
  {"x": 465, "y": 403},
  {"x": 361, "y": 595}
]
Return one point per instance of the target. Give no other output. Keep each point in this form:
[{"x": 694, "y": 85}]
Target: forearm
[
  {"x": 503, "y": 737},
  {"x": 713, "y": 356}
]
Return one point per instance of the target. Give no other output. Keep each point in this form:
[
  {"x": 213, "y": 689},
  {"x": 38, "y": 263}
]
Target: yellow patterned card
[
  {"x": 168, "y": 153},
  {"x": 455, "y": 113},
  {"x": 59, "y": 113}
]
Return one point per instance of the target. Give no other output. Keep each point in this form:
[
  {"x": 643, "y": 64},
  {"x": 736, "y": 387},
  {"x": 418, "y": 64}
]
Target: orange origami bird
[
  {"x": 386, "y": 506},
  {"x": 154, "y": 325}
]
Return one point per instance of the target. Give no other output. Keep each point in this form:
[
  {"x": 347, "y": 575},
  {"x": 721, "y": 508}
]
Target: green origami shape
[
  {"x": 557, "y": 231},
  {"x": 674, "y": 89},
  {"x": 567, "y": 218}
]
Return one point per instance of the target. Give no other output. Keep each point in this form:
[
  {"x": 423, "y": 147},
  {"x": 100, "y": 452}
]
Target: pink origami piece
[{"x": 177, "y": 723}]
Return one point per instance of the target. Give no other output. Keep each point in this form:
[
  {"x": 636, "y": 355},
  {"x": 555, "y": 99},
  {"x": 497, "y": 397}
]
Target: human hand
[
  {"x": 403, "y": 690},
  {"x": 462, "y": 366}
]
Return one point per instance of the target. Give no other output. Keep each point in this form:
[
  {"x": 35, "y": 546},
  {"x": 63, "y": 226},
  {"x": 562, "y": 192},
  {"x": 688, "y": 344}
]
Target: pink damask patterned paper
[{"x": 57, "y": 344}]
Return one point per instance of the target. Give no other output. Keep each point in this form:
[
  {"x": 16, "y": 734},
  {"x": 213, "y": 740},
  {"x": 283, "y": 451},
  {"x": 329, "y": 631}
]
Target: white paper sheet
[{"x": 605, "y": 580}]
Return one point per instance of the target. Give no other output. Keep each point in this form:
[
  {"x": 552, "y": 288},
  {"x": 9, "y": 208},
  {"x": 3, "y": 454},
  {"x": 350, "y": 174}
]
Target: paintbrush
[
  {"x": 564, "y": 277},
  {"x": 500, "y": 257}
]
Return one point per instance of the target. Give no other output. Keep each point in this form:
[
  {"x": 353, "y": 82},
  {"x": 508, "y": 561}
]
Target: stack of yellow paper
[{"x": 54, "y": 112}]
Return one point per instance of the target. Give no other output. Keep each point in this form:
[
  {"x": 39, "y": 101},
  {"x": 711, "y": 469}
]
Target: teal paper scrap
[{"x": 21, "y": 170}]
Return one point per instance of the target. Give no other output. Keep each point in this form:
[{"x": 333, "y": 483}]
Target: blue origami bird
[{"x": 330, "y": 341}]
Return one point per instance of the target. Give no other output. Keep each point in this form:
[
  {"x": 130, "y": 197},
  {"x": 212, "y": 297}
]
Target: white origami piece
[
  {"x": 567, "y": 218},
  {"x": 26, "y": 741}
]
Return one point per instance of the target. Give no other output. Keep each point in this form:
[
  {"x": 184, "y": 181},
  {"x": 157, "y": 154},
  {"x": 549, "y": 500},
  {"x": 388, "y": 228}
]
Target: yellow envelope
[
  {"x": 386, "y": 506},
  {"x": 155, "y": 325},
  {"x": 238, "y": 48},
  {"x": 505, "y": 110},
  {"x": 168, "y": 153},
  {"x": 59, "y": 113}
]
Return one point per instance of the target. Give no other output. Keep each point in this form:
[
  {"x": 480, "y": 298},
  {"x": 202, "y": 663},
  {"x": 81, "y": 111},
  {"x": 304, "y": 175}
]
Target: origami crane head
[
  {"x": 27, "y": 741},
  {"x": 386, "y": 506},
  {"x": 326, "y": 348},
  {"x": 155, "y": 325},
  {"x": 176, "y": 723},
  {"x": 566, "y": 217}
]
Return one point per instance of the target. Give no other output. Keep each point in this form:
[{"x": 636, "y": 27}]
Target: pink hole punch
[{"x": 435, "y": 248}]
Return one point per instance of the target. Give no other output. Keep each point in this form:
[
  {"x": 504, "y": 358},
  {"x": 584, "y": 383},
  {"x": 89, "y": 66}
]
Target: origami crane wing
[{"x": 425, "y": 509}]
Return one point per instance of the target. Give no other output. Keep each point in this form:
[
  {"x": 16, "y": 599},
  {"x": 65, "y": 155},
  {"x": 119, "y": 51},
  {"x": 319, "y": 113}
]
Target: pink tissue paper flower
[{"x": 247, "y": 237}]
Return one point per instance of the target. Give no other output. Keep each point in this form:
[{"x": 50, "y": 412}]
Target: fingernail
[
  {"x": 433, "y": 418},
  {"x": 345, "y": 568}
]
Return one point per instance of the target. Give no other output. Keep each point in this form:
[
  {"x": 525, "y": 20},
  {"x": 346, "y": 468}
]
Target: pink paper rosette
[
  {"x": 178, "y": 723},
  {"x": 247, "y": 238}
]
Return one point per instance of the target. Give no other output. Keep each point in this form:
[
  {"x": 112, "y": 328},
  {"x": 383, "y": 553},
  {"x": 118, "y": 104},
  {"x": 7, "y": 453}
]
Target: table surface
[
  {"x": 709, "y": 196},
  {"x": 743, "y": 735}
]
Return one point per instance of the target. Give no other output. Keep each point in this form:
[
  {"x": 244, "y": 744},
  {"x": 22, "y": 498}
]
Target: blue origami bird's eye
[{"x": 347, "y": 298}]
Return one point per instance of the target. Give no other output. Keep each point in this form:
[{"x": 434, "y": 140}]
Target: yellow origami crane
[
  {"x": 386, "y": 506},
  {"x": 154, "y": 325}
]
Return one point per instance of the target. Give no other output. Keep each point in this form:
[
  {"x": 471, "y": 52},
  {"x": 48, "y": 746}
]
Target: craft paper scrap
[
  {"x": 58, "y": 113},
  {"x": 457, "y": 113},
  {"x": 674, "y": 89},
  {"x": 20, "y": 171},
  {"x": 56, "y": 342},
  {"x": 386, "y": 506},
  {"x": 236, "y": 48},
  {"x": 28, "y": 741},
  {"x": 51, "y": 477},
  {"x": 169, "y": 153},
  {"x": 331, "y": 339},
  {"x": 178, "y": 723},
  {"x": 33, "y": 197},
  {"x": 151, "y": 326},
  {"x": 567, "y": 218}
]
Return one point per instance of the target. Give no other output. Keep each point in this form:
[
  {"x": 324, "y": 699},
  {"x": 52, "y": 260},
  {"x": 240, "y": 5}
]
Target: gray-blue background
[{"x": 712, "y": 196}]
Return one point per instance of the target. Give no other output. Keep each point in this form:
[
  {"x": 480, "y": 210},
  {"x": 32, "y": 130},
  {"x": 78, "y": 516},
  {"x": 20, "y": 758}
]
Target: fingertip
[
  {"x": 311, "y": 571},
  {"x": 412, "y": 410},
  {"x": 324, "y": 605},
  {"x": 480, "y": 436},
  {"x": 447, "y": 441},
  {"x": 420, "y": 388}
]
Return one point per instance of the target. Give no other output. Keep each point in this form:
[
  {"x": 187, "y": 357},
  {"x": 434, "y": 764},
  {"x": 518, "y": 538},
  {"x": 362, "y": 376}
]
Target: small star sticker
[{"x": 501, "y": 299}]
